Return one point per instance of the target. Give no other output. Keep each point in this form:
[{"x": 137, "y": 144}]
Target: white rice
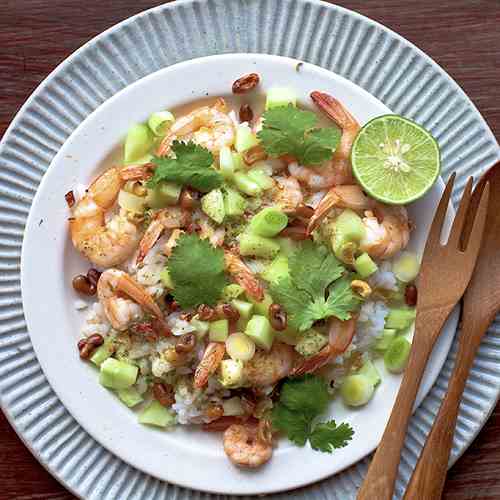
[
  {"x": 95, "y": 321},
  {"x": 384, "y": 277},
  {"x": 370, "y": 324}
]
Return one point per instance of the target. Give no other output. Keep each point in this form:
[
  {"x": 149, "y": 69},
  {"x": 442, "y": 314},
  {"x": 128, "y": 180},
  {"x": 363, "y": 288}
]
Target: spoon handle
[
  {"x": 379, "y": 481},
  {"x": 429, "y": 475}
]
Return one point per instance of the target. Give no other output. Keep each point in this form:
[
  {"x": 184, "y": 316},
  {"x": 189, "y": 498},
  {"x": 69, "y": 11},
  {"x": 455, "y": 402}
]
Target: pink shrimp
[
  {"x": 243, "y": 275},
  {"x": 209, "y": 363}
]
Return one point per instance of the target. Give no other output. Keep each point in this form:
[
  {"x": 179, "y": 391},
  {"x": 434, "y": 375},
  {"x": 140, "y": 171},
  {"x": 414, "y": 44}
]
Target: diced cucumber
[
  {"x": 130, "y": 396},
  {"x": 345, "y": 251},
  {"x": 400, "y": 318},
  {"x": 268, "y": 222},
  {"x": 218, "y": 330},
  {"x": 213, "y": 205},
  {"x": 245, "y": 138},
  {"x": 246, "y": 185},
  {"x": 163, "y": 194},
  {"x": 258, "y": 246},
  {"x": 240, "y": 347},
  {"x": 349, "y": 226},
  {"x": 288, "y": 336},
  {"x": 202, "y": 327},
  {"x": 102, "y": 353},
  {"x": 396, "y": 356},
  {"x": 238, "y": 162},
  {"x": 156, "y": 414},
  {"x": 138, "y": 143},
  {"x": 280, "y": 96},
  {"x": 160, "y": 121},
  {"x": 131, "y": 202},
  {"x": 385, "y": 340},
  {"x": 261, "y": 307},
  {"x": 261, "y": 178},
  {"x": 311, "y": 343},
  {"x": 233, "y": 407},
  {"x": 117, "y": 374},
  {"x": 369, "y": 371},
  {"x": 244, "y": 308},
  {"x": 260, "y": 331},
  {"x": 232, "y": 291},
  {"x": 406, "y": 267},
  {"x": 166, "y": 279},
  {"x": 234, "y": 204},
  {"x": 230, "y": 373},
  {"x": 226, "y": 163},
  {"x": 365, "y": 266},
  {"x": 277, "y": 270},
  {"x": 288, "y": 246},
  {"x": 356, "y": 390}
]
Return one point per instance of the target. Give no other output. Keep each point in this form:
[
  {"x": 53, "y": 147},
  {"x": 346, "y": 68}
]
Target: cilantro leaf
[
  {"x": 308, "y": 394},
  {"x": 191, "y": 166},
  {"x": 304, "y": 292},
  {"x": 328, "y": 436},
  {"x": 296, "y": 425},
  {"x": 197, "y": 271},
  {"x": 288, "y": 130},
  {"x": 301, "y": 401},
  {"x": 293, "y": 300},
  {"x": 342, "y": 300}
]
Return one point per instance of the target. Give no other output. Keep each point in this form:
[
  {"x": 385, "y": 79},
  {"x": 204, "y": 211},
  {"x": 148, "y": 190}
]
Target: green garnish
[
  {"x": 301, "y": 401},
  {"x": 197, "y": 271},
  {"x": 303, "y": 293},
  {"x": 192, "y": 166},
  {"x": 288, "y": 130}
]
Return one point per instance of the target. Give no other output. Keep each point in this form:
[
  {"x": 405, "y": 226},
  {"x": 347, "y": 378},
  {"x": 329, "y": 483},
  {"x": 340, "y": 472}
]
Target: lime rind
[{"x": 413, "y": 149}]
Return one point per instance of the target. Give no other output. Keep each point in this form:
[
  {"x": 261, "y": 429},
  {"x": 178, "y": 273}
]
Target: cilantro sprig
[
  {"x": 316, "y": 288},
  {"x": 191, "y": 166},
  {"x": 197, "y": 270},
  {"x": 301, "y": 401},
  {"x": 292, "y": 131}
]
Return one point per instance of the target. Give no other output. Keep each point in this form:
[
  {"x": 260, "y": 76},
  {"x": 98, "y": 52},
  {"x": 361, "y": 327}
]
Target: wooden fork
[{"x": 444, "y": 275}]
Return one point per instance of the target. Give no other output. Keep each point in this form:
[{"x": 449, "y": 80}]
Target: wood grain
[{"x": 463, "y": 36}]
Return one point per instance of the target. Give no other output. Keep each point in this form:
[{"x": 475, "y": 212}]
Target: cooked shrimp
[
  {"x": 340, "y": 337},
  {"x": 243, "y": 275},
  {"x": 208, "y": 126},
  {"x": 337, "y": 170},
  {"x": 287, "y": 193},
  {"x": 346, "y": 196},
  {"x": 121, "y": 311},
  {"x": 104, "y": 244},
  {"x": 172, "y": 241},
  {"x": 209, "y": 363},
  {"x": 244, "y": 446},
  {"x": 137, "y": 172},
  {"x": 267, "y": 368},
  {"x": 166, "y": 218},
  {"x": 386, "y": 234}
]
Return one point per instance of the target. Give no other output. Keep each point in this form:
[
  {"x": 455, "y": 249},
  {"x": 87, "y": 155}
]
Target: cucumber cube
[
  {"x": 163, "y": 195},
  {"x": 262, "y": 307},
  {"x": 218, "y": 330},
  {"x": 246, "y": 185},
  {"x": 234, "y": 203},
  {"x": 260, "y": 331},
  {"x": 138, "y": 143},
  {"x": 385, "y": 339},
  {"x": 244, "y": 308},
  {"x": 245, "y": 138},
  {"x": 102, "y": 353},
  {"x": 232, "y": 291},
  {"x": 226, "y": 163},
  {"x": 117, "y": 374},
  {"x": 365, "y": 266},
  {"x": 258, "y": 246},
  {"x": 130, "y": 396},
  {"x": 213, "y": 205},
  {"x": 400, "y": 318},
  {"x": 278, "y": 269},
  {"x": 156, "y": 414},
  {"x": 261, "y": 178},
  {"x": 396, "y": 356},
  {"x": 369, "y": 371},
  {"x": 311, "y": 343}
]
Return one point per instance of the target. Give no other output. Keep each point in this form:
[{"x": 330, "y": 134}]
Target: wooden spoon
[
  {"x": 445, "y": 273},
  {"x": 481, "y": 304}
]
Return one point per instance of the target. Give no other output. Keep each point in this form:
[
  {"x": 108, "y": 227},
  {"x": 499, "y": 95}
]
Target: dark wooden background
[{"x": 463, "y": 36}]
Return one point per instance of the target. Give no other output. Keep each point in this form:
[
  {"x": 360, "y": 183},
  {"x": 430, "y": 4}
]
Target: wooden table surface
[{"x": 463, "y": 36}]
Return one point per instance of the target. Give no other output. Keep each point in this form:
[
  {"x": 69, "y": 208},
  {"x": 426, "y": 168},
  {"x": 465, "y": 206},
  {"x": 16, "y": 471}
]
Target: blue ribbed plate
[{"x": 366, "y": 53}]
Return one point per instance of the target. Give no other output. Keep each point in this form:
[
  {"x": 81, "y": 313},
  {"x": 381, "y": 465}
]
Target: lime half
[{"x": 395, "y": 160}]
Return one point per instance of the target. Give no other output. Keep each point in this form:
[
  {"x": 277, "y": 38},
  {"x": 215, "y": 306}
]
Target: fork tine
[
  {"x": 459, "y": 221},
  {"x": 476, "y": 234},
  {"x": 434, "y": 237}
]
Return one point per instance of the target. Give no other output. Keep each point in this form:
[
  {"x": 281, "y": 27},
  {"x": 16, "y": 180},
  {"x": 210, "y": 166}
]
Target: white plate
[{"x": 185, "y": 456}]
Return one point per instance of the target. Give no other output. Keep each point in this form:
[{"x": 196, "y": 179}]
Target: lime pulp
[{"x": 395, "y": 160}]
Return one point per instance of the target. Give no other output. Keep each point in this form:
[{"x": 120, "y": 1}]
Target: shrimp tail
[
  {"x": 210, "y": 362},
  {"x": 333, "y": 109},
  {"x": 325, "y": 205},
  {"x": 313, "y": 363},
  {"x": 137, "y": 172},
  {"x": 243, "y": 275},
  {"x": 151, "y": 236}
]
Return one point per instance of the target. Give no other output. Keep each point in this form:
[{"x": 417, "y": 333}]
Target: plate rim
[{"x": 386, "y": 32}]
